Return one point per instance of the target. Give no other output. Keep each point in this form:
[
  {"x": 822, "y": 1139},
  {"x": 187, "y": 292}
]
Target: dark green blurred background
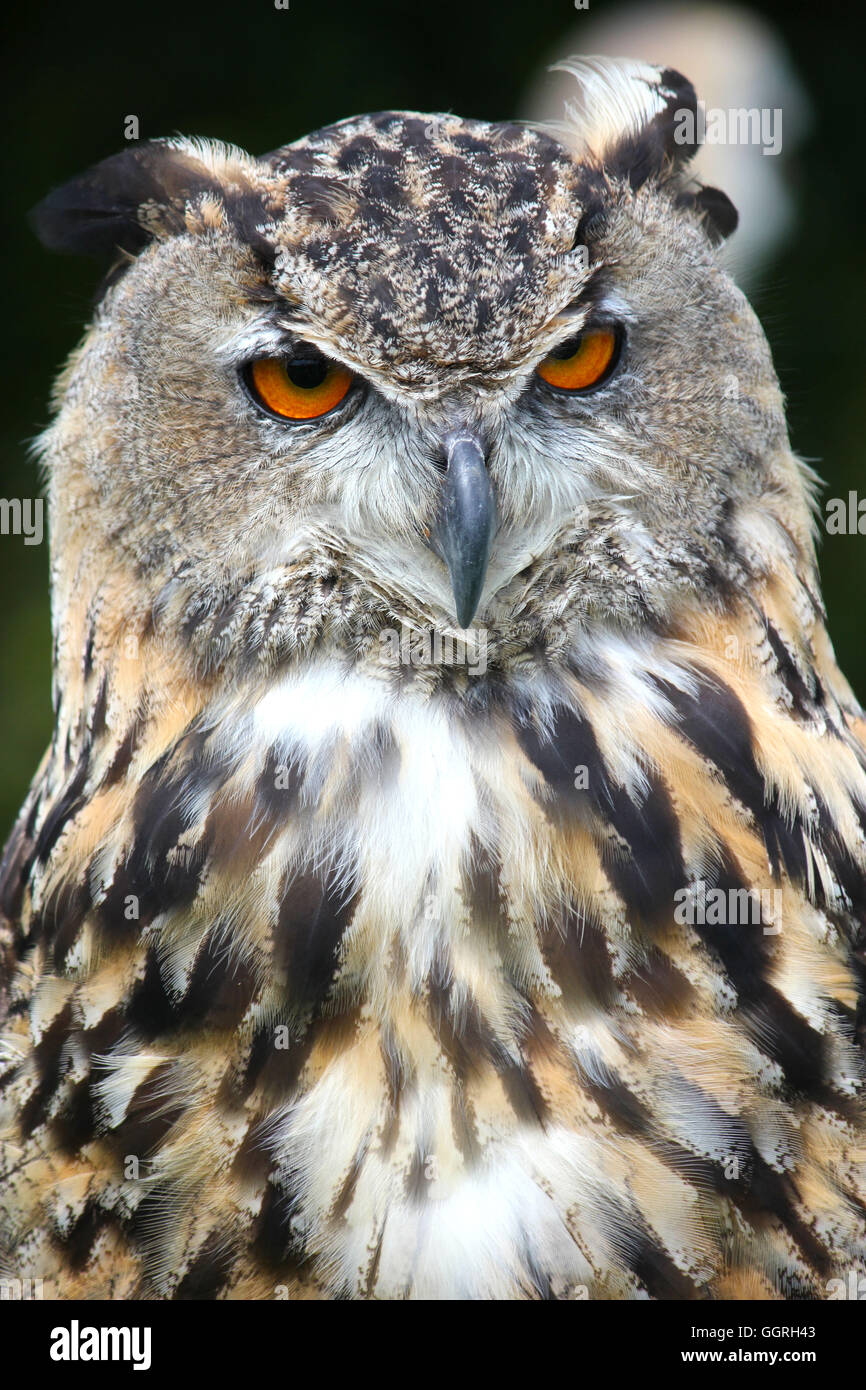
[{"x": 259, "y": 77}]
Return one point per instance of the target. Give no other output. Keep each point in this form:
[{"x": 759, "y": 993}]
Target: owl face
[{"x": 416, "y": 368}]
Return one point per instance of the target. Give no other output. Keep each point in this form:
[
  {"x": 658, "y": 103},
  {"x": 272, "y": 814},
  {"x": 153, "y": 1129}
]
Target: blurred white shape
[{"x": 734, "y": 59}]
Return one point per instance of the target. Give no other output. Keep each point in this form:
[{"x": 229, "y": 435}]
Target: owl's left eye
[
  {"x": 583, "y": 362},
  {"x": 302, "y": 387}
]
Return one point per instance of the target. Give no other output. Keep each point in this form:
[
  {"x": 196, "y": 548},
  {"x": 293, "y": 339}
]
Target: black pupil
[
  {"x": 568, "y": 349},
  {"x": 307, "y": 372}
]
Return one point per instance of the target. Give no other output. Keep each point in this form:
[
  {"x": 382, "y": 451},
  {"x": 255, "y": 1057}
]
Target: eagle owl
[{"x": 446, "y": 879}]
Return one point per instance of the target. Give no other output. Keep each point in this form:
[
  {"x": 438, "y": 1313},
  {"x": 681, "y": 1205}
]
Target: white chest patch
[{"x": 405, "y": 835}]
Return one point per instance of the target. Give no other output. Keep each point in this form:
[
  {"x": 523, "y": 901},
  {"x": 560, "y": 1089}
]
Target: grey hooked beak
[{"x": 466, "y": 521}]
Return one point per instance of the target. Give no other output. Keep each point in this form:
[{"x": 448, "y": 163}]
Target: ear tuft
[
  {"x": 716, "y": 210},
  {"x": 638, "y": 122},
  {"x": 628, "y": 116},
  {"x": 124, "y": 202}
]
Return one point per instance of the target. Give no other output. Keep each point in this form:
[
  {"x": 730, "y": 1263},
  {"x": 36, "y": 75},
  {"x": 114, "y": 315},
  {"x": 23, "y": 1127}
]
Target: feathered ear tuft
[
  {"x": 121, "y": 203},
  {"x": 639, "y": 122},
  {"x": 143, "y": 193},
  {"x": 715, "y": 209},
  {"x": 626, "y": 115}
]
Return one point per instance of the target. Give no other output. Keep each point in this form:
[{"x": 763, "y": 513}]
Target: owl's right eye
[{"x": 302, "y": 387}]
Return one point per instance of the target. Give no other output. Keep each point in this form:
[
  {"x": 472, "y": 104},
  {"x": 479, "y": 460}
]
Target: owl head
[{"x": 420, "y": 369}]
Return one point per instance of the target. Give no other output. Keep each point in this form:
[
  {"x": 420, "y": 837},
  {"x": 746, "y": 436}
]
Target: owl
[{"x": 447, "y": 879}]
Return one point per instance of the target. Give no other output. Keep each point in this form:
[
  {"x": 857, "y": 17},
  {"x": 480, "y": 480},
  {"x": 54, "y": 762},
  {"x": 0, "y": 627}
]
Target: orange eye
[
  {"x": 302, "y": 387},
  {"x": 581, "y": 362}
]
